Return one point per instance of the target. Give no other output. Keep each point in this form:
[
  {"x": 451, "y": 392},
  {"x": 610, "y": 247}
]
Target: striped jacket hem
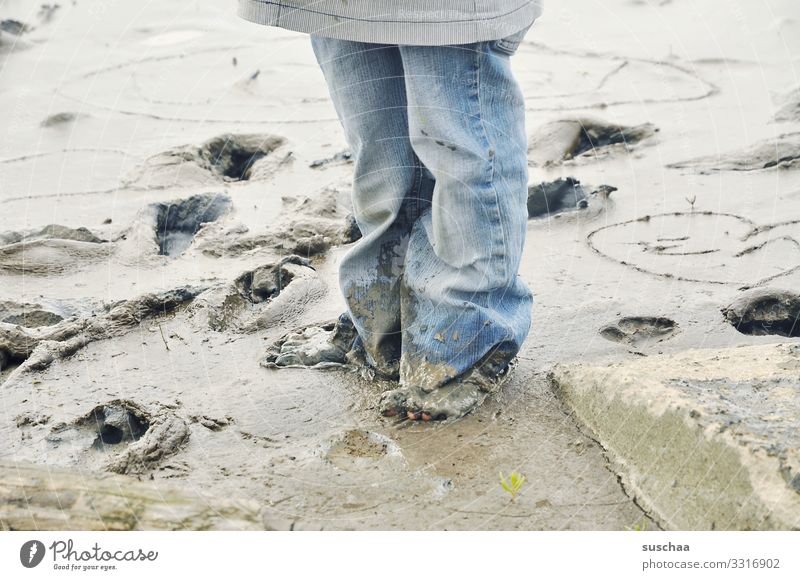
[{"x": 339, "y": 20}]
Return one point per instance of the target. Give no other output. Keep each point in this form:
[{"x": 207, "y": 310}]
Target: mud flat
[
  {"x": 704, "y": 439},
  {"x": 174, "y": 198}
]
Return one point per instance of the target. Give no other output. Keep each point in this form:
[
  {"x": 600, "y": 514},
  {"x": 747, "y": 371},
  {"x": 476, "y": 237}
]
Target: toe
[
  {"x": 453, "y": 400},
  {"x": 394, "y": 402}
]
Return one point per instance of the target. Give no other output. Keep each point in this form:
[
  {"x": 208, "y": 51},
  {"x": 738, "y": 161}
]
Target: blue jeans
[{"x": 438, "y": 138}]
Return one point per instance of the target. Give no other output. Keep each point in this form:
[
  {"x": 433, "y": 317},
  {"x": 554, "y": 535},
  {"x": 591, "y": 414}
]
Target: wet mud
[
  {"x": 200, "y": 221},
  {"x": 260, "y": 298},
  {"x": 765, "y": 311},
  {"x": 178, "y": 222},
  {"x": 782, "y": 152},
  {"x": 566, "y": 139},
  {"x": 36, "y": 347},
  {"x": 640, "y": 331},
  {"x": 52, "y": 250},
  {"x": 356, "y": 449},
  {"x": 317, "y": 346},
  {"x": 565, "y": 195},
  {"x": 313, "y": 225},
  {"x": 27, "y": 315},
  {"x": 340, "y": 158},
  {"x": 225, "y": 158},
  {"x": 123, "y": 436},
  {"x": 702, "y": 246}
]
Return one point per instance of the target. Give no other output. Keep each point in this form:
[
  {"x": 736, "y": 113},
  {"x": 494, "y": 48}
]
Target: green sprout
[
  {"x": 514, "y": 483},
  {"x": 638, "y": 527}
]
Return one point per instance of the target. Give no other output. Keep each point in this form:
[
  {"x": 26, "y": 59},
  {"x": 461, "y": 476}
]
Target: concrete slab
[{"x": 703, "y": 439}]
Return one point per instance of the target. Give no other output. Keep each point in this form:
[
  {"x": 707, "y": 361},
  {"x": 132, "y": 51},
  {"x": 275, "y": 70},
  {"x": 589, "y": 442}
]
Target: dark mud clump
[
  {"x": 351, "y": 232},
  {"x": 565, "y": 139},
  {"x": 11, "y": 32},
  {"x": 782, "y": 152},
  {"x": 47, "y": 11},
  {"x": 178, "y": 222},
  {"x": 765, "y": 312},
  {"x": 267, "y": 282},
  {"x": 552, "y": 197},
  {"x": 233, "y": 156},
  {"x": 314, "y": 346},
  {"x": 14, "y": 27},
  {"x": 31, "y": 419},
  {"x": 340, "y": 158},
  {"x": 116, "y": 422},
  {"x": 61, "y": 119},
  {"x": 639, "y": 331}
]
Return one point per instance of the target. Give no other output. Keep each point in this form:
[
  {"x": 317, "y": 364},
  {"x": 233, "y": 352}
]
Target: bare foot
[{"x": 450, "y": 401}]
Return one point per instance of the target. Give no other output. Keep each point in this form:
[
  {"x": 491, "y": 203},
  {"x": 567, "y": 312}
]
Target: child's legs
[
  {"x": 461, "y": 298},
  {"x": 368, "y": 90}
]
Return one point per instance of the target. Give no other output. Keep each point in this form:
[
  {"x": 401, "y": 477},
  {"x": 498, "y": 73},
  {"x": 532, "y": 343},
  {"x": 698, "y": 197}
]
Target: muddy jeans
[{"x": 439, "y": 143}]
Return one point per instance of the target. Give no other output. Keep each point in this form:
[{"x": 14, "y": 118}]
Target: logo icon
[{"x": 31, "y": 553}]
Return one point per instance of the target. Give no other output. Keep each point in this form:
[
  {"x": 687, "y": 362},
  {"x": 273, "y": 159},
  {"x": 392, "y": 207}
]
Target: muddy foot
[
  {"x": 316, "y": 346},
  {"x": 450, "y": 401}
]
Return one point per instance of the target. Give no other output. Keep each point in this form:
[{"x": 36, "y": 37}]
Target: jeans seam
[
  {"x": 504, "y": 239},
  {"x": 415, "y": 189}
]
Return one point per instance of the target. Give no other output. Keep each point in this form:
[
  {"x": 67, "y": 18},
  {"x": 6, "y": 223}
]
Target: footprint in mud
[
  {"x": 312, "y": 226},
  {"x": 116, "y": 422},
  {"x": 54, "y": 249},
  {"x": 266, "y": 282},
  {"x": 765, "y": 311},
  {"x": 640, "y": 331},
  {"x": 702, "y": 246},
  {"x": 357, "y": 449},
  {"x": 137, "y": 440},
  {"x": 261, "y": 297},
  {"x": 565, "y": 139},
  {"x": 226, "y": 158},
  {"x": 177, "y": 222},
  {"x": 552, "y": 198},
  {"x": 782, "y": 152},
  {"x": 317, "y": 346}
]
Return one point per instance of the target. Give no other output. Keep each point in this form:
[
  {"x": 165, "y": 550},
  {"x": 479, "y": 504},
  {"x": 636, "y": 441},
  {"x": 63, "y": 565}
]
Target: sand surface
[{"x": 132, "y": 237}]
